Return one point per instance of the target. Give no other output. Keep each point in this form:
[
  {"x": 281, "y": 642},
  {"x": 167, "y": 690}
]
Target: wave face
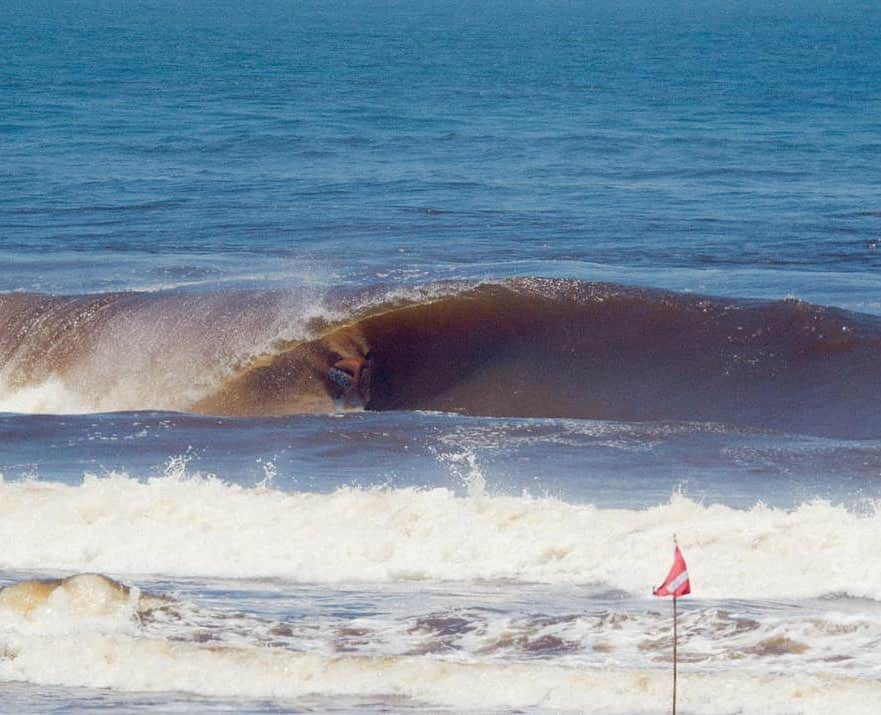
[{"x": 527, "y": 348}]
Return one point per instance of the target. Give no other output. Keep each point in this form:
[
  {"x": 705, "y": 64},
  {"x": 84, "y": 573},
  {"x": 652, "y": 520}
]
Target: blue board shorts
[{"x": 340, "y": 377}]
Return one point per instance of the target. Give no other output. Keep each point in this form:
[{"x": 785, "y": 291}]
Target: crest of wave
[{"x": 136, "y": 351}]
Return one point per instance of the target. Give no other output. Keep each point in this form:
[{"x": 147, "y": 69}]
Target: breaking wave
[
  {"x": 529, "y": 348},
  {"x": 195, "y": 526}
]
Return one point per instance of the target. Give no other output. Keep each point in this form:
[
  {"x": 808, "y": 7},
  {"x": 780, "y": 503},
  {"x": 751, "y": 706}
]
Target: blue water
[
  {"x": 606, "y": 464},
  {"x": 147, "y": 144},
  {"x": 354, "y": 148}
]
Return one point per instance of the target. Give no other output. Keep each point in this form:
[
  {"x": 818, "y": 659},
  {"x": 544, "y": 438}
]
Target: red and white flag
[{"x": 676, "y": 584}]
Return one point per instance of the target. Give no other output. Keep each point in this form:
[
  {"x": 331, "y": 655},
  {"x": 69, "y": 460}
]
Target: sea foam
[
  {"x": 200, "y": 526},
  {"x": 128, "y": 663}
]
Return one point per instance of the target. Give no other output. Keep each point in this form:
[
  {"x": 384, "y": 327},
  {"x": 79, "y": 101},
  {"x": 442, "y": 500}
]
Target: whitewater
[
  {"x": 448, "y": 597},
  {"x": 199, "y": 526}
]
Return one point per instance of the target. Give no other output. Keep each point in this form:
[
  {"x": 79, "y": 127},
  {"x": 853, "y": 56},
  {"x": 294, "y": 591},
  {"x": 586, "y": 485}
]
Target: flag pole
[
  {"x": 675, "y": 638},
  {"x": 674, "y": 655}
]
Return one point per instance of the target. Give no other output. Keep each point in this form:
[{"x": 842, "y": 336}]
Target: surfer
[{"x": 352, "y": 378}]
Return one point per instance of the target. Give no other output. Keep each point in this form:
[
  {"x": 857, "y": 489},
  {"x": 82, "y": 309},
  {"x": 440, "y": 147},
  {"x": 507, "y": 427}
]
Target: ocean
[{"x": 606, "y": 271}]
